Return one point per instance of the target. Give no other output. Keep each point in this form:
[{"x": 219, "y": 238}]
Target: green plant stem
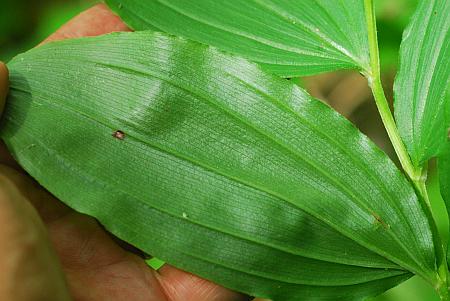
[
  {"x": 374, "y": 79},
  {"x": 442, "y": 282},
  {"x": 417, "y": 176}
]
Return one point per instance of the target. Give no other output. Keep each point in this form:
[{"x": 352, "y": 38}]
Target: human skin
[{"x": 50, "y": 252}]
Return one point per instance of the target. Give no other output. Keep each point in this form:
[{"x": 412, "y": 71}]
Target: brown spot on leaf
[{"x": 119, "y": 135}]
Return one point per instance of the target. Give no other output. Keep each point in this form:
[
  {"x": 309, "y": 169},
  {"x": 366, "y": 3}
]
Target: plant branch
[
  {"x": 374, "y": 78},
  {"x": 418, "y": 175}
]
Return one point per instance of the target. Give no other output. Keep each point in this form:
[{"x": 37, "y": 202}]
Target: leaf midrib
[{"x": 322, "y": 37}]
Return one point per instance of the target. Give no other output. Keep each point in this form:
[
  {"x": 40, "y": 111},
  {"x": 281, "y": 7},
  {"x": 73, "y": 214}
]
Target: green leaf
[
  {"x": 423, "y": 79},
  {"x": 444, "y": 176},
  {"x": 208, "y": 163},
  {"x": 155, "y": 263},
  {"x": 444, "y": 181},
  {"x": 286, "y": 37}
]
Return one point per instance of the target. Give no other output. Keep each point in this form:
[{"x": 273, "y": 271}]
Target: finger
[
  {"x": 182, "y": 286},
  {"x": 96, "y": 267},
  {"x": 5, "y": 157},
  {"x": 3, "y": 86},
  {"x": 95, "y": 21},
  {"x": 30, "y": 270},
  {"x": 48, "y": 207}
]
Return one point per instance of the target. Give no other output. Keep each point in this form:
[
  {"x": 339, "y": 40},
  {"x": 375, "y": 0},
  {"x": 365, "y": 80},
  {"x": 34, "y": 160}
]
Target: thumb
[
  {"x": 29, "y": 266},
  {"x": 3, "y": 85}
]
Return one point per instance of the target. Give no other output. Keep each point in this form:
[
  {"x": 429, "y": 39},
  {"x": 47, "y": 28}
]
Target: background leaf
[
  {"x": 444, "y": 176},
  {"x": 444, "y": 181},
  {"x": 207, "y": 162},
  {"x": 286, "y": 37},
  {"x": 422, "y": 81}
]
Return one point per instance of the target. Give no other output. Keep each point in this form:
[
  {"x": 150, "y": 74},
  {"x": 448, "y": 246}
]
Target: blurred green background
[{"x": 24, "y": 23}]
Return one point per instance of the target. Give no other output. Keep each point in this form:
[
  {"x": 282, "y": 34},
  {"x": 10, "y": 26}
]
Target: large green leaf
[
  {"x": 209, "y": 163},
  {"x": 422, "y": 81},
  {"x": 287, "y": 37}
]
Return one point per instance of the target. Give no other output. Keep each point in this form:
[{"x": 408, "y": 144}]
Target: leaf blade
[
  {"x": 316, "y": 37},
  {"x": 261, "y": 155},
  {"x": 421, "y": 86}
]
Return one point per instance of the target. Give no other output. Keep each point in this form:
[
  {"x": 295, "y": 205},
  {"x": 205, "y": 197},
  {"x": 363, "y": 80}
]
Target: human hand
[{"x": 50, "y": 252}]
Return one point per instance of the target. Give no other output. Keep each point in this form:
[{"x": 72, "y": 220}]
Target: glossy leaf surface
[
  {"x": 287, "y": 37},
  {"x": 209, "y": 163},
  {"x": 421, "y": 86}
]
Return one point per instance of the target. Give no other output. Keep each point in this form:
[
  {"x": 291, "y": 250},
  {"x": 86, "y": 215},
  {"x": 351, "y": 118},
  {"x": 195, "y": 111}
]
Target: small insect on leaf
[{"x": 119, "y": 135}]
